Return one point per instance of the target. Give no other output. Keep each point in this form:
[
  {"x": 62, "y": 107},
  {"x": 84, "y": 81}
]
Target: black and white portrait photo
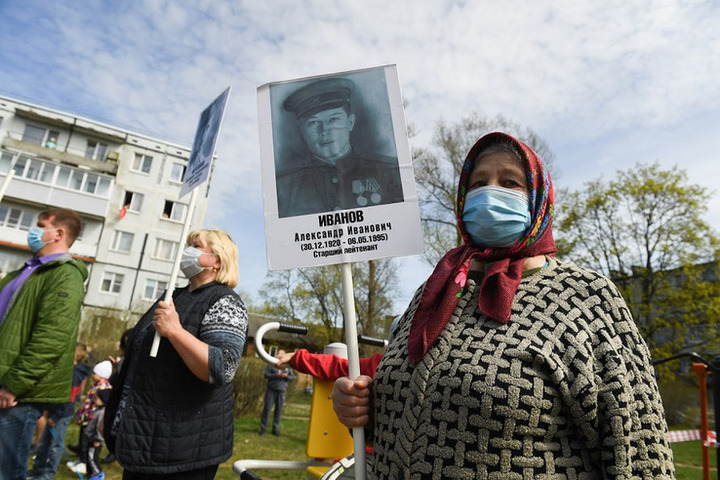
[
  {"x": 337, "y": 173},
  {"x": 334, "y": 144},
  {"x": 204, "y": 143}
]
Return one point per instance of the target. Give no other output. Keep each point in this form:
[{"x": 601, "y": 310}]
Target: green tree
[
  {"x": 437, "y": 170},
  {"x": 645, "y": 230}
]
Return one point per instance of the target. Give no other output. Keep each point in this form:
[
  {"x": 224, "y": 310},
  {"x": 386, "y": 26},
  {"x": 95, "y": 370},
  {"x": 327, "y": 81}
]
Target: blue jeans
[
  {"x": 17, "y": 425},
  {"x": 49, "y": 451}
]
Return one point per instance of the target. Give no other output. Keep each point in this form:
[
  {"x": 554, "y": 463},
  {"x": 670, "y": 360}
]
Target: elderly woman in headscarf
[{"x": 510, "y": 363}]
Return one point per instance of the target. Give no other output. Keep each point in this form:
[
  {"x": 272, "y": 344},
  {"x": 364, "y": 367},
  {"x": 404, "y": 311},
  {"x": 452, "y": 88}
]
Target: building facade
[{"x": 124, "y": 186}]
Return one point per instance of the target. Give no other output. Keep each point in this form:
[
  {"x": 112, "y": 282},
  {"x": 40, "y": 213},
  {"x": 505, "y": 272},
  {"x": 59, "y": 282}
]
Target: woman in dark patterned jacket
[
  {"x": 509, "y": 363},
  {"x": 171, "y": 416}
]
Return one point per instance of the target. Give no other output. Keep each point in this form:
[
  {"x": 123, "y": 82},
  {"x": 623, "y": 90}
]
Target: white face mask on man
[{"x": 189, "y": 263}]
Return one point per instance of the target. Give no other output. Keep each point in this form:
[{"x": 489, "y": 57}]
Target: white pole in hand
[
  {"x": 353, "y": 361},
  {"x": 176, "y": 266}
]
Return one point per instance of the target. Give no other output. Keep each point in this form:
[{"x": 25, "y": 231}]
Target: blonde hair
[{"x": 223, "y": 246}]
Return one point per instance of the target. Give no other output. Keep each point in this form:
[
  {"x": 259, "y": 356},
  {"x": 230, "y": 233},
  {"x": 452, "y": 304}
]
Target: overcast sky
[{"x": 606, "y": 84}]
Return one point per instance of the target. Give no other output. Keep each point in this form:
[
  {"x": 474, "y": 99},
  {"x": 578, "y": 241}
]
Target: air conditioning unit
[{"x": 112, "y": 157}]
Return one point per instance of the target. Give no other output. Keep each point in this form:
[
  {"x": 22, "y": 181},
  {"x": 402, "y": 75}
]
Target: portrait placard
[
  {"x": 203, "y": 149},
  {"x": 337, "y": 175}
]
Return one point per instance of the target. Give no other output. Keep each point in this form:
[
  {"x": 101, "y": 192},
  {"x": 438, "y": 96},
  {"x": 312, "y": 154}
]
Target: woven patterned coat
[{"x": 564, "y": 390}]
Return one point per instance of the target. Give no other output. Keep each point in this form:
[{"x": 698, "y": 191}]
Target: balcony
[{"x": 67, "y": 157}]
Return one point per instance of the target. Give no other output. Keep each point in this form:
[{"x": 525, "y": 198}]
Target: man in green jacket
[{"x": 39, "y": 317}]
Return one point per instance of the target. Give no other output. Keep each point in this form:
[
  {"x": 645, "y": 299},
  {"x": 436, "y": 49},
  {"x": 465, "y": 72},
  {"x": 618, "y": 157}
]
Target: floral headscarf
[{"x": 503, "y": 274}]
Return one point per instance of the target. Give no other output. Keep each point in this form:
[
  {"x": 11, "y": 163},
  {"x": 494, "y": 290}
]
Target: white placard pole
[
  {"x": 176, "y": 266},
  {"x": 8, "y": 178},
  {"x": 353, "y": 361}
]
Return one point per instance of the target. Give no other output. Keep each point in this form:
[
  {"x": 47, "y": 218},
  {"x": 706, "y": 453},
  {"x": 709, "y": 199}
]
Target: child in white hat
[{"x": 101, "y": 373}]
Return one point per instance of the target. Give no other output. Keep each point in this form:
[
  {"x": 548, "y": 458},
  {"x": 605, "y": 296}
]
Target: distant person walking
[{"x": 278, "y": 379}]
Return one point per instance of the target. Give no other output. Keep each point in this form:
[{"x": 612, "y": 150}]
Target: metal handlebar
[
  {"x": 374, "y": 341},
  {"x": 280, "y": 327}
]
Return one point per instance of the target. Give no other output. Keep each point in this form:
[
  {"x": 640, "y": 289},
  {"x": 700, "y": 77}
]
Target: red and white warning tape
[{"x": 675, "y": 436}]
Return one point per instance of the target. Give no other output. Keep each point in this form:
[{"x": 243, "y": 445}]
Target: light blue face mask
[
  {"x": 496, "y": 216},
  {"x": 34, "y": 238}
]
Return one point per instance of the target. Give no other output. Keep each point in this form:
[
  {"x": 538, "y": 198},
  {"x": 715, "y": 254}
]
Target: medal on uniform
[
  {"x": 359, "y": 189},
  {"x": 371, "y": 186}
]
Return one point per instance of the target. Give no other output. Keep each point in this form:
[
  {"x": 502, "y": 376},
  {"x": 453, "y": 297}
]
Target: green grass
[
  {"x": 688, "y": 461},
  {"x": 290, "y": 445}
]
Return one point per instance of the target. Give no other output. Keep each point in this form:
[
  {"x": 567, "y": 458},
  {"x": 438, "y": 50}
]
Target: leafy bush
[
  {"x": 681, "y": 400},
  {"x": 249, "y": 387}
]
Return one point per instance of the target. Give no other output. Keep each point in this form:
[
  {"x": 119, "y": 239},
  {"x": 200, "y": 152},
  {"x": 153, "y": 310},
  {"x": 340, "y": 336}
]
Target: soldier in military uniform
[{"x": 332, "y": 174}]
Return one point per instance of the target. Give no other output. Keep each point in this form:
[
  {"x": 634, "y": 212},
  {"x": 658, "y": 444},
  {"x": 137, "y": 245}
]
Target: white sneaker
[{"x": 77, "y": 467}]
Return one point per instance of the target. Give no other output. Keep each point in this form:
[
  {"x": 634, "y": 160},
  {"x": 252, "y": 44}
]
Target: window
[
  {"x": 165, "y": 249},
  {"x": 76, "y": 179},
  {"x": 96, "y": 150},
  {"x": 122, "y": 241},
  {"x": 102, "y": 188},
  {"x": 133, "y": 201},
  {"x": 39, "y": 170},
  {"x": 19, "y": 166},
  {"x": 91, "y": 182},
  {"x": 15, "y": 218},
  {"x": 67, "y": 177},
  {"x": 63, "y": 176},
  {"x": 33, "y": 134},
  {"x": 141, "y": 163},
  {"x": 52, "y": 139},
  {"x": 83, "y": 181},
  {"x": 6, "y": 159},
  {"x": 174, "y": 211},
  {"x": 111, "y": 282},
  {"x": 153, "y": 289},
  {"x": 177, "y": 174}
]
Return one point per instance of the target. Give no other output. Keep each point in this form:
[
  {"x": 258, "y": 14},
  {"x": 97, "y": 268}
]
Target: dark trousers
[
  {"x": 273, "y": 398},
  {"x": 92, "y": 462}
]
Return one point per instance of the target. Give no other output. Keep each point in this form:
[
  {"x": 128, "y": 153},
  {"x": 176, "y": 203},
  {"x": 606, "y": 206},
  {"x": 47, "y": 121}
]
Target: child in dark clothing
[
  {"x": 94, "y": 436},
  {"x": 84, "y": 414}
]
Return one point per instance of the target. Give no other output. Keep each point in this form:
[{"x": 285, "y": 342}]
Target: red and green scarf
[{"x": 503, "y": 273}]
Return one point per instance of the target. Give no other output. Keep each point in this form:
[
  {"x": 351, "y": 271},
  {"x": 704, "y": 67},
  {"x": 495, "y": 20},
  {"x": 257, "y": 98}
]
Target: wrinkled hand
[
  {"x": 351, "y": 401},
  {"x": 166, "y": 319},
  {"x": 7, "y": 399},
  {"x": 284, "y": 359}
]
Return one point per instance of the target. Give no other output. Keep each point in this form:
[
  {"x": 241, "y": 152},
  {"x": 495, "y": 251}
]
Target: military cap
[{"x": 318, "y": 96}]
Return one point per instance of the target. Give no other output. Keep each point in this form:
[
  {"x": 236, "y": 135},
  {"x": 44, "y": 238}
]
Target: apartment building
[{"x": 124, "y": 186}]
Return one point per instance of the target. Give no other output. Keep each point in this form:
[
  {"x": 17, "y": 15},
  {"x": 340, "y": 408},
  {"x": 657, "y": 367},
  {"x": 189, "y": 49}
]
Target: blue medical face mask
[
  {"x": 34, "y": 238},
  {"x": 496, "y": 216}
]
